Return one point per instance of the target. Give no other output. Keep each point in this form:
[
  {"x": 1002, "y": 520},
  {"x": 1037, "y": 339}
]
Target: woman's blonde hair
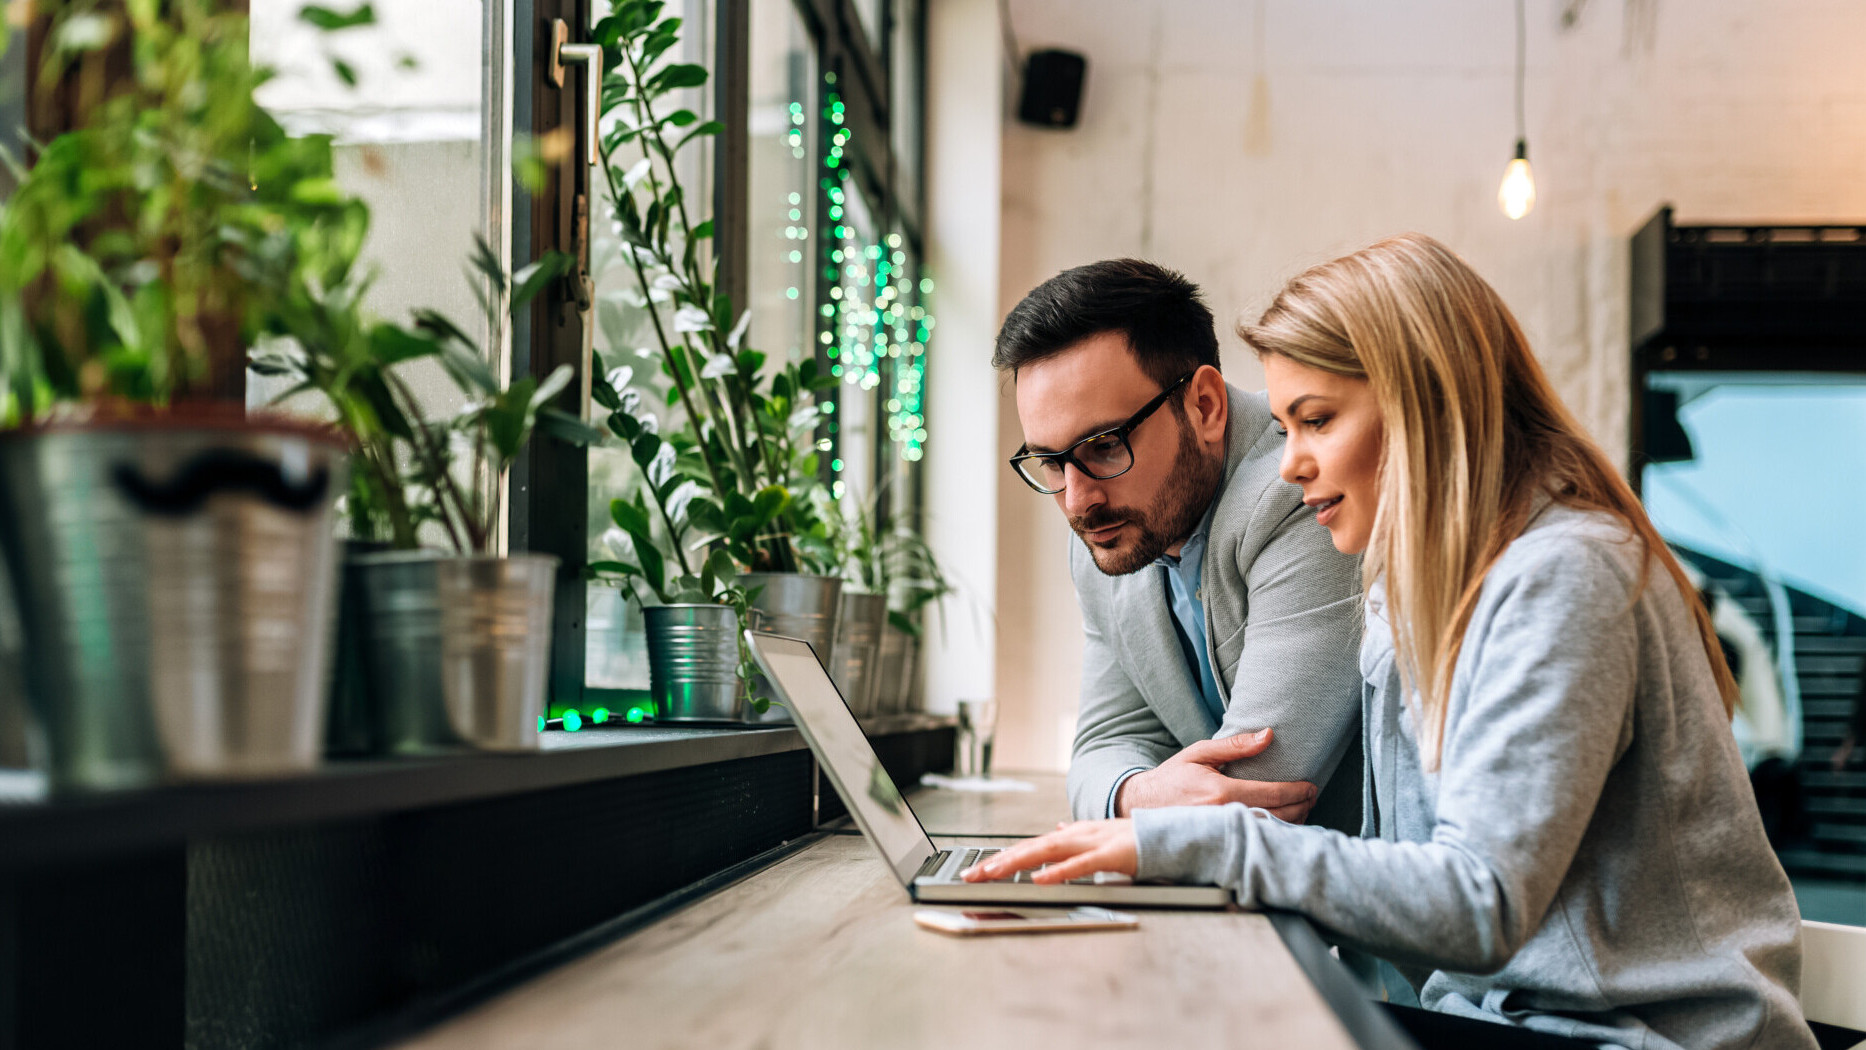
[{"x": 1473, "y": 433}]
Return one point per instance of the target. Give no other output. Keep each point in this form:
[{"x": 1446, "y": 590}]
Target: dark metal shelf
[{"x": 37, "y": 831}]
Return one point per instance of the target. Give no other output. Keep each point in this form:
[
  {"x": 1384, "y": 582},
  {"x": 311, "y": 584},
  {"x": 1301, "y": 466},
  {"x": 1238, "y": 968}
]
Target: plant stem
[
  {"x": 445, "y": 495},
  {"x": 734, "y": 431},
  {"x": 744, "y": 434},
  {"x": 660, "y": 333}
]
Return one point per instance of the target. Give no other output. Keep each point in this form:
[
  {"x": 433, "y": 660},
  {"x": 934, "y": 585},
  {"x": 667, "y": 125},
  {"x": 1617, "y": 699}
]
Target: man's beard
[{"x": 1170, "y": 519}]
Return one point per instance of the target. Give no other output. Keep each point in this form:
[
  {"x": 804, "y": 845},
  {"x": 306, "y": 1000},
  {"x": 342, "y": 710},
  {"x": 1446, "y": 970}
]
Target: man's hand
[
  {"x": 1072, "y": 851},
  {"x": 1191, "y": 778}
]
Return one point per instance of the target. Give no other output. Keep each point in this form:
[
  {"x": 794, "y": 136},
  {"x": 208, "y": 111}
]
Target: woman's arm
[{"x": 1551, "y": 662}]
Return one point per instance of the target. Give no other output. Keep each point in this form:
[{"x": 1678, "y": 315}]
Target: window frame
[{"x": 842, "y": 47}]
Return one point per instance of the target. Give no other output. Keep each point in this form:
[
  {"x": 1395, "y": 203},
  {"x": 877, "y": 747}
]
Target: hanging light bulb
[{"x": 1517, "y": 194}]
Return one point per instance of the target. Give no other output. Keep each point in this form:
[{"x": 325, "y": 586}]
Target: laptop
[{"x": 929, "y": 874}]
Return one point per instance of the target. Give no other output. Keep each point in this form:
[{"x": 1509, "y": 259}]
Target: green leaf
[
  {"x": 711, "y": 127},
  {"x": 769, "y": 503},
  {"x": 344, "y": 70},
  {"x": 618, "y": 568},
  {"x": 721, "y": 565},
  {"x": 653, "y": 566},
  {"x": 486, "y": 261},
  {"x": 706, "y": 515},
  {"x": 624, "y": 425},
  {"x": 644, "y": 447},
  {"x": 738, "y": 510},
  {"x": 329, "y": 20},
  {"x": 676, "y": 76},
  {"x": 703, "y": 230},
  {"x": 531, "y": 280},
  {"x": 508, "y": 418},
  {"x": 391, "y": 345},
  {"x": 628, "y": 517},
  {"x": 604, "y": 394},
  {"x": 664, "y": 36},
  {"x": 553, "y": 385},
  {"x": 680, "y": 118}
]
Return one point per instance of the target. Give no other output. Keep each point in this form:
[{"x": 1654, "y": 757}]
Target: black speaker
[{"x": 1052, "y": 96}]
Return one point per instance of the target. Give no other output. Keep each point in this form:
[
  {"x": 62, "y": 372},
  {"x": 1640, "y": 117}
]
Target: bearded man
[{"x": 1222, "y": 628}]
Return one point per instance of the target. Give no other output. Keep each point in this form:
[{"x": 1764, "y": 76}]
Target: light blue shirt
[{"x": 1186, "y": 601}]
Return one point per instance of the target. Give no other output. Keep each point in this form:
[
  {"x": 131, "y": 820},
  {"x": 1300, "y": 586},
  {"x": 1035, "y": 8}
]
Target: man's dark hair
[{"x": 1161, "y": 314}]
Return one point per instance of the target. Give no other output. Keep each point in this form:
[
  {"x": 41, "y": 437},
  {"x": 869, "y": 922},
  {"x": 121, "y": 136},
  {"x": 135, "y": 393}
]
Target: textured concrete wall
[{"x": 1242, "y": 140}]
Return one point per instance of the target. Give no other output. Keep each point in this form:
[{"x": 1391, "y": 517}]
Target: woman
[{"x": 1559, "y": 830}]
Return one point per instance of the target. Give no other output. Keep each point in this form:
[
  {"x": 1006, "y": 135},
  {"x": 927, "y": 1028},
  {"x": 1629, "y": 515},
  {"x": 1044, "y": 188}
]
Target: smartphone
[{"x": 967, "y": 922}]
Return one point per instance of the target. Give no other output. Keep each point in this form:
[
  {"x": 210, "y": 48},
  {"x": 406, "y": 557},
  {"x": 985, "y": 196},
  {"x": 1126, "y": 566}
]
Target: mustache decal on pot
[{"x": 219, "y": 471}]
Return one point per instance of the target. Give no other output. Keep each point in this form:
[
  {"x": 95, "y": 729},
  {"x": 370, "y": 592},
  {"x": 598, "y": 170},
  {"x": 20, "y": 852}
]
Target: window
[
  {"x": 829, "y": 242},
  {"x": 615, "y": 648}
]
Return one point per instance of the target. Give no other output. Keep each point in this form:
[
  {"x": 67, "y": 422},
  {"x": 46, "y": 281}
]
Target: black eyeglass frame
[{"x": 1067, "y": 456}]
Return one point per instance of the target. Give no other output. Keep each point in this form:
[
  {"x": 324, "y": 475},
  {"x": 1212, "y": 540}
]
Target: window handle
[{"x": 590, "y": 57}]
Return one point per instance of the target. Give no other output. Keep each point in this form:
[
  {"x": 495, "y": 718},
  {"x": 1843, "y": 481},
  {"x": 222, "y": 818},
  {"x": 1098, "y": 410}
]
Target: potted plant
[
  {"x": 855, "y": 664},
  {"x": 914, "y": 581},
  {"x": 458, "y": 643},
  {"x": 687, "y": 584},
  {"x": 741, "y": 413},
  {"x": 172, "y": 557}
]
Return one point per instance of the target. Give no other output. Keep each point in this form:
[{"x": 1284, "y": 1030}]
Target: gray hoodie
[{"x": 1588, "y": 859}]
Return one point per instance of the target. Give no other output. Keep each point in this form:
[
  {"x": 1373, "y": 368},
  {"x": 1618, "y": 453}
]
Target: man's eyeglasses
[{"x": 1101, "y": 456}]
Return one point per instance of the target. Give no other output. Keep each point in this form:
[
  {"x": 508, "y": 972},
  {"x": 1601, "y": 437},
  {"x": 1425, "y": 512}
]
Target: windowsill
[{"x": 40, "y": 831}]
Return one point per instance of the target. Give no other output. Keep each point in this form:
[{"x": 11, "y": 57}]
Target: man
[{"x": 1214, "y": 607}]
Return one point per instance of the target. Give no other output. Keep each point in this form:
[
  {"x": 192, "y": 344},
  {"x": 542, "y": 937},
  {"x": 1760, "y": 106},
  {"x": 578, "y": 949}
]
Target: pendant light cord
[{"x": 1521, "y": 51}]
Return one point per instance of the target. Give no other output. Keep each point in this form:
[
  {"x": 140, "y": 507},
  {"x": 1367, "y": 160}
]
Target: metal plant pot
[
  {"x": 899, "y": 653},
  {"x": 857, "y": 654},
  {"x": 350, "y": 727},
  {"x": 458, "y": 650},
  {"x": 402, "y": 652},
  {"x": 693, "y": 663},
  {"x": 175, "y": 577},
  {"x": 14, "y": 752},
  {"x": 796, "y": 606},
  {"x": 496, "y": 646}
]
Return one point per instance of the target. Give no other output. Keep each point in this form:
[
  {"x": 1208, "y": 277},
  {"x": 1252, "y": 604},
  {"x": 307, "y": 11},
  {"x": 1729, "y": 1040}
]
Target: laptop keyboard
[{"x": 980, "y": 854}]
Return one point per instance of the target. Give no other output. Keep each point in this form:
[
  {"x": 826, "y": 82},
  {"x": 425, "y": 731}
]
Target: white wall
[
  {"x": 1242, "y": 141},
  {"x": 965, "y": 78}
]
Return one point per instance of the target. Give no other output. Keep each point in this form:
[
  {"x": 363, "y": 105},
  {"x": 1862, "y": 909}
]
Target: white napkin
[{"x": 940, "y": 780}]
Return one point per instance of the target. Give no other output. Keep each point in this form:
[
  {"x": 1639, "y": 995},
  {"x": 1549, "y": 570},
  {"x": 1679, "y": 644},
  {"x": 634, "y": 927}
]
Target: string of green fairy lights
[{"x": 874, "y": 314}]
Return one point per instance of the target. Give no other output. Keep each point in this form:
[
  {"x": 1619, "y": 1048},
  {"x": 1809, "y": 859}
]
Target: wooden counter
[{"x": 820, "y": 951}]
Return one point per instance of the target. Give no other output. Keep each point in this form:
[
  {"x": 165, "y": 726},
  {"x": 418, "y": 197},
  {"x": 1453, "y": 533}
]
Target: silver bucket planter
[
  {"x": 350, "y": 728},
  {"x": 693, "y": 663},
  {"x": 796, "y": 606},
  {"x": 857, "y": 656},
  {"x": 175, "y": 578},
  {"x": 402, "y": 652},
  {"x": 496, "y": 647},
  {"x": 458, "y": 650},
  {"x": 900, "y": 652}
]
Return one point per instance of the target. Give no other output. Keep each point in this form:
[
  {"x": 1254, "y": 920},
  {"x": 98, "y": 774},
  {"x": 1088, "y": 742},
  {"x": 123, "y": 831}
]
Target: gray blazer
[{"x": 1282, "y": 627}]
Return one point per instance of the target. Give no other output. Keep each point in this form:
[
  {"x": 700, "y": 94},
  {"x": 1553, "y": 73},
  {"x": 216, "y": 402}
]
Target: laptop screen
[{"x": 846, "y": 755}]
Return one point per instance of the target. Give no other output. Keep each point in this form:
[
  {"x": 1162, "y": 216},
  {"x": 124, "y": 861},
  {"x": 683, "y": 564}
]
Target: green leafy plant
[
  {"x": 408, "y": 470},
  {"x": 123, "y": 277},
  {"x": 741, "y": 418},
  {"x": 894, "y": 561}
]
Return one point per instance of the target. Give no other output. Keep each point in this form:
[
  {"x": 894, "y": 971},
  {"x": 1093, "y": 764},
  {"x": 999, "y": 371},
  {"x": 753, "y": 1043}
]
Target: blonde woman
[{"x": 1559, "y": 834}]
